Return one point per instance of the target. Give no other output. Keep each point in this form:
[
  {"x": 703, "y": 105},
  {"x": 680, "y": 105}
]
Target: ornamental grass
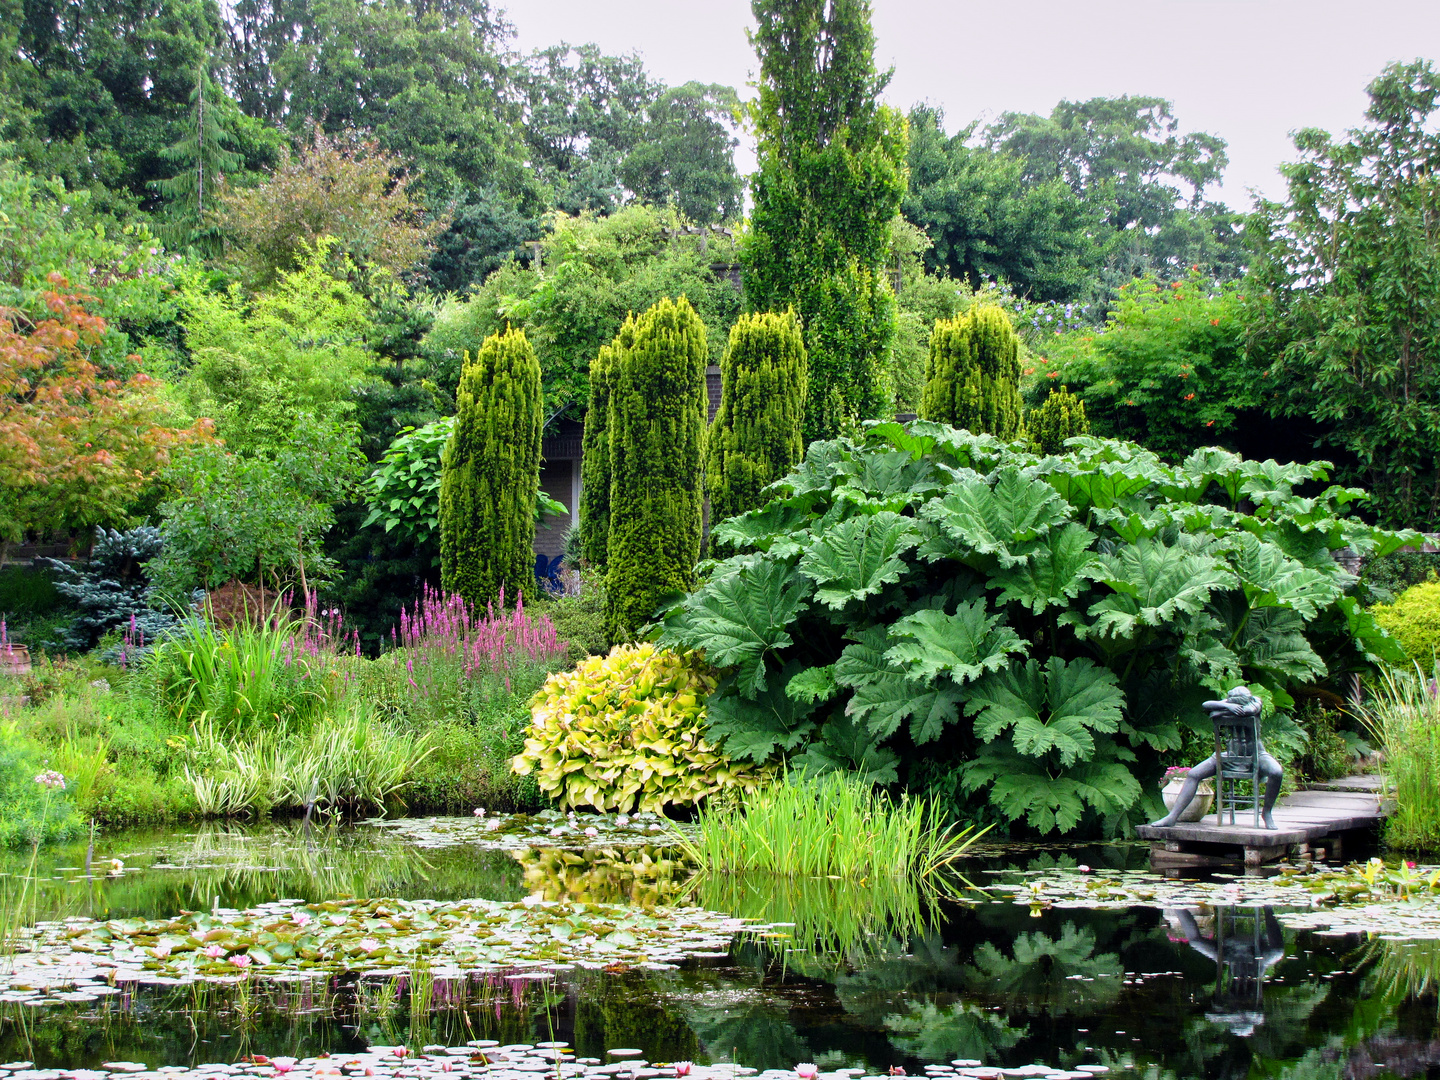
[{"x": 1404, "y": 717}]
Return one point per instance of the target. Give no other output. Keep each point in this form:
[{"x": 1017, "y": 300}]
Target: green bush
[
  {"x": 625, "y": 731},
  {"x": 1061, "y": 417},
  {"x": 595, "y": 451},
  {"x": 579, "y": 619},
  {"x": 931, "y": 597},
  {"x": 30, "y": 812},
  {"x": 1403, "y": 715},
  {"x": 973, "y": 378},
  {"x": 1414, "y": 621}
]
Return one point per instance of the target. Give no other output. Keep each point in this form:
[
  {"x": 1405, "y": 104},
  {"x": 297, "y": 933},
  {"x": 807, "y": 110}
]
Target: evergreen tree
[
  {"x": 595, "y": 451},
  {"x": 973, "y": 378},
  {"x": 831, "y": 178},
  {"x": 1061, "y": 417},
  {"x": 491, "y": 473},
  {"x": 203, "y": 158},
  {"x": 755, "y": 439},
  {"x": 657, "y": 435}
]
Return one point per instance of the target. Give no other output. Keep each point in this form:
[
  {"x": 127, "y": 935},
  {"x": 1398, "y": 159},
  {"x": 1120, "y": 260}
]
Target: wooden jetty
[{"x": 1309, "y": 820}]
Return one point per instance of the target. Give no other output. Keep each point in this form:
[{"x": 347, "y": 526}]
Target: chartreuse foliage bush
[
  {"x": 491, "y": 473},
  {"x": 627, "y": 731},
  {"x": 755, "y": 439},
  {"x": 1414, "y": 621},
  {"x": 973, "y": 378},
  {"x": 657, "y": 443},
  {"x": 1061, "y": 417},
  {"x": 1029, "y": 632}
]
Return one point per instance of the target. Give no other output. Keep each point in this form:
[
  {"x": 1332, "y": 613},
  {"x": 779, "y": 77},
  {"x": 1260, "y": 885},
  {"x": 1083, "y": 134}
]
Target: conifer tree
[
  {"x": 657, "y": 435},
  {"x": 595, "y": 453},
  {"x": 832, "y": 173},
  {"x": 204, "y": 159},
  {"x": 1060, "y": 417},
  {"x": 491, "y": 472},
  {"x": 972, "y": 380},
  {"x": 755, "y": 438}
]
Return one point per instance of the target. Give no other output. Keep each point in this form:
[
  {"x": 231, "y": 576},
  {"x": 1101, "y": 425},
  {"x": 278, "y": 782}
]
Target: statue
[
  {"x": 1239, "y": 1002},
  {"x": 1239, "y": 702}
]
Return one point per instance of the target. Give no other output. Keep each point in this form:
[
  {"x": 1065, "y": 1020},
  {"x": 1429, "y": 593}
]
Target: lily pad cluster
[
  {"x": 283, "y": 940},
  {"x": 548, "y": 829}
]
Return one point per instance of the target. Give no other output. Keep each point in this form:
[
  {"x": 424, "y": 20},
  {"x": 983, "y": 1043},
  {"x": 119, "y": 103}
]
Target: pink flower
[
  {"x": 300, "y": 918},
  {"x": 240, "y": 960},
  {"x": 1409, "y": 865},
  {"x": 1083, "y": 868},
  {"x": 401, "y": 1051},
  {"x": 214, "y": 951},
  {"x": 369, "y": 944},
  {"x": 479, "y": 811},
  {"x": 682, "y": 1068},
  {"x": 283, "y": 1064},
  {"x": 592, "y": 831},
  {"x": 806, "y": 1070}
]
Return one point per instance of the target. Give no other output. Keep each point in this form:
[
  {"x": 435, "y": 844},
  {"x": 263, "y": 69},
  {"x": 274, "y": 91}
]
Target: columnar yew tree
[
  {"x": 1060, "y": 417},
  {"x": 657, "y": 434},
  {"x": 973, "y": 378},
  {"x": 595, "y": 454},
  {"x": 831, "y": 177},
  {"x": 491, "y": 473},
  {"x": 755, "y": 439}
]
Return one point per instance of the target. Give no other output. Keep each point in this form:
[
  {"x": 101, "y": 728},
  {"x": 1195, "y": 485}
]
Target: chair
[{"x": 1237, "y": 759}]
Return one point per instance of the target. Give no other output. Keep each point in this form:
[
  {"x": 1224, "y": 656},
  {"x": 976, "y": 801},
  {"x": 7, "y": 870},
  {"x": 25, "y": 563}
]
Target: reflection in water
[{"x": 868, "y": 976}]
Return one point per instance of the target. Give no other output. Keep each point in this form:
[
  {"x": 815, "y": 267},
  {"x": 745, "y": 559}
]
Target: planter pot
[
  {"x": 14, "y": 660},
  {"x": 1199, "y": 806}
]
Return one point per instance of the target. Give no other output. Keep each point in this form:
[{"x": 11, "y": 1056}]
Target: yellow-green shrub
[
  {"x": 1414, "y": 621},
  {"x": 627, "y": 729}
]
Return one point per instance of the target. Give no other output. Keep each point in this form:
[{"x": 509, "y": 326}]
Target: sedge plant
[{"x": 1404, "y": 718}]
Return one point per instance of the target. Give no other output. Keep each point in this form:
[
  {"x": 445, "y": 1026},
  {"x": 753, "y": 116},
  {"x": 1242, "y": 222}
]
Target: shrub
[
  {"x": 755, "y": 439},
  {"x": 943, "y": 599},
  {"x": 657, "y": 442},
  {"x": 31, "y": 812},
  {"x": 626, "y": 731},
  {"x": 112, "y": 588},
  {"x": 1414, "y": 621},
  {"x": 1404, "y": 717},
  {"x": 973, "y": 378},
  {"x": 579, "y": 619},
  {"x": 492, "y": 471},
  {"x": 595, "y": 451},
  {"x": 1061, "y": 417}
]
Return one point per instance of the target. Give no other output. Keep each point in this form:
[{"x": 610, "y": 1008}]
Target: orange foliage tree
[{"x": 78, "y": 442}]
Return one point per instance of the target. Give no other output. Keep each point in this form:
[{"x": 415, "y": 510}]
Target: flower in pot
[{"x": 1199, "y": 805}]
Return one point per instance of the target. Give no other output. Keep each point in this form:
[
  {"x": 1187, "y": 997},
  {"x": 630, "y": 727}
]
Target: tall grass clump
[
  {"x": 836, "y": 825},
  {"x": 1404, "y": 717}
]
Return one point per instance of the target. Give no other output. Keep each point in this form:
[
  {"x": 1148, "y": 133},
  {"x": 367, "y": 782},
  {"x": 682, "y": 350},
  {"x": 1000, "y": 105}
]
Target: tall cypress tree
[
  {"x": 972, "y": 380},
  {"x": 755, "y": 438},
  {"x": 595, "y": 452},
  {"x": 491, "y": 471},
  {"x": 657, "y": 437},
  {"x": 831, "y": 177}
]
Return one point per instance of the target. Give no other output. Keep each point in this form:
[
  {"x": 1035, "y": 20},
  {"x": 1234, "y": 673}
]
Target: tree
[
  {"x": 345, "y": 188},
  {"x": 491, "y": 474},
  {"x": 657, "y": 437},
  {"x": 685, "y": 154},
  {"x": 1348, "y": 275},
  {"x": 973, "y": 379},
  {"x": 1061, "y": 417},
  {"x": 78, "y": 441},
  {"x": 755, "y": 439},
  {"x": 595, "y": 450},
  {"x": 988, "y": 220},
  {"x": 831, "y": 176},
  {"x": 204, "y": 159}
]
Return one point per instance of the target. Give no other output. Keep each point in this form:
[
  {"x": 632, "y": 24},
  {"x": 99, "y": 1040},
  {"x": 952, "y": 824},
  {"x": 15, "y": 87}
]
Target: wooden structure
[{"x": 1303, "y": 821}]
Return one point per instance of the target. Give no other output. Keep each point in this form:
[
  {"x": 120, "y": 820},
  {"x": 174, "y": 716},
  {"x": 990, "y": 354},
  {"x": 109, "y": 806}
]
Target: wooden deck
[{"x": 1301, "y": 820}]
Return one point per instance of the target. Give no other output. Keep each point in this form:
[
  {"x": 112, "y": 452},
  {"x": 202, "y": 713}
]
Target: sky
[{"x": 1250, "y": 71}]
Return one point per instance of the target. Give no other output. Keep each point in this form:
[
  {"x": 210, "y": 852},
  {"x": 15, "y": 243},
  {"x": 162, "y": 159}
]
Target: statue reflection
[{"x": 1247, "y": 942}]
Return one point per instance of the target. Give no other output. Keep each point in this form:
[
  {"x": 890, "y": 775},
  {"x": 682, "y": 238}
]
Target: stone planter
[
  {"x": 14, "y": 660},
  {"x": 1199, "y": 806}
]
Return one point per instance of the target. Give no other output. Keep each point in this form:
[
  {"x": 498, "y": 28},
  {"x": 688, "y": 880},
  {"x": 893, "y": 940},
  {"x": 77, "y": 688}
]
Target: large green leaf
[
  {"x": 962, "y": 646},
  {"x": 1154, "y": 584},
  {"x": 846, "y": 745},
  {"x": 776, "y": 521},
  {"x": 1057, "y": 707},
  {"x": 885, "y": 697},
  {"x": 739, "y": 616},
  {"x": 758, "y": 727},
  {"x": 1102, "y": 485},
  {"x": 1271, "y": 579},
  {"x": 1048, "y": 800},
  {"x": 1059, "y": 565},
  {"x": 858, "y": 557},
  {"x": 999, "y": 521}
]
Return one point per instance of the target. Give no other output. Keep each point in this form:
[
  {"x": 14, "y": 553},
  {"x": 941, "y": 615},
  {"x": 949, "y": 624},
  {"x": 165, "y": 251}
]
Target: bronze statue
[{"x": 1239, "y": 702}]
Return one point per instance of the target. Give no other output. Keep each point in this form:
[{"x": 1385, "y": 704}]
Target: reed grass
[
  {"x": 1404, "y": 718},
  {"x": 836, "y": 825}
]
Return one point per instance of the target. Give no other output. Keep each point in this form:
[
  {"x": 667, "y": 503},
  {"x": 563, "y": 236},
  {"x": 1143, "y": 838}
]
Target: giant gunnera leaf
[
  {"x": 975, "y": 518},
  {"x": 1056, "y": 707},
  {"x": 962, "y": 646},
  {"x": 1155, "y": 583},
  {"x": 885, "y": 697},
  {"x": 858, "y": 557}
]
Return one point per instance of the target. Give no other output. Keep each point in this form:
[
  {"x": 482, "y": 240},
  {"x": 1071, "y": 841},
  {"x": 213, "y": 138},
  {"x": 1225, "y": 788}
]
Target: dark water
[{"x": 897, "y": 981}]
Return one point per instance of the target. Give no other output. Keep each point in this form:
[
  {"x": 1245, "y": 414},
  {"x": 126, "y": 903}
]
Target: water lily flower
[
  {"x": 283, "y": 1064},
  {"x": 301, "y": 918},
  {"x": 682, "y": 1068},
  {"x": 654, "y": 828},
  {"x": 492, "y": 824},
  {"x": 214, "y": 951},
  {"x": 479, "y": 811},
  {"x": 806, "y": 1070},
  {"x": 1083, "y": 868},
  {"x": 592, "y": 831},
  {"x": 401, "y": 1051},
  {"x": 557, "y": 831},
  {"x": 624, "y": 819},
  {"x": 116, "y": 866},
  {"x": 240, "y": 960},
  {"x": 160, "y": 952},
  {"x": 370, "y": 945}
]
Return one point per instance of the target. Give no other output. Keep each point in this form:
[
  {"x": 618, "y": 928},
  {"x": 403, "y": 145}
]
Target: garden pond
[{"x": 519, "y": 949}]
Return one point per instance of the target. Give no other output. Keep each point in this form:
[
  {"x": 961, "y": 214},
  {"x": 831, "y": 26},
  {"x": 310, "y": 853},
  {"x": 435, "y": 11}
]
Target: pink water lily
[
  {"x": 283, "y": 1064},
  {"x": 240, "y": 960},
  {"x": 370, "y": 945},
  {"x": 214, "y": 951},
  {"x": 806, "y": 1070},
  {"x": 682, "y": 1068},
  {"x": 479, "y": 811},
  {"x": 301, "y": 918}
]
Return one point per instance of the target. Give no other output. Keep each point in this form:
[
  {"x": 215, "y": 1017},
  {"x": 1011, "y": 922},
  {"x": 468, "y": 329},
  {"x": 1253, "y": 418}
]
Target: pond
[{"x": 868, "y": 980}]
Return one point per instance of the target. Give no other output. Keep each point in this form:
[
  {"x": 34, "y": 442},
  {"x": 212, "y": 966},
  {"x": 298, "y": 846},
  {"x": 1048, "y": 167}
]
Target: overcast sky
[{"x": 1250, "y": 71}]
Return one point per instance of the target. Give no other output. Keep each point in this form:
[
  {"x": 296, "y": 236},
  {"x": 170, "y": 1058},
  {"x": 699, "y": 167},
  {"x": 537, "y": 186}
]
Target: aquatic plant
[
  {"x": 1404, "y": 718},
  {"x": 836, "y": 824}
]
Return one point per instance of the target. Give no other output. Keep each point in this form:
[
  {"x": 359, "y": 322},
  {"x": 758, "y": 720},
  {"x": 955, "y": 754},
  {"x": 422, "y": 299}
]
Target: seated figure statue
[{"x": 1239, "y": 702}]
